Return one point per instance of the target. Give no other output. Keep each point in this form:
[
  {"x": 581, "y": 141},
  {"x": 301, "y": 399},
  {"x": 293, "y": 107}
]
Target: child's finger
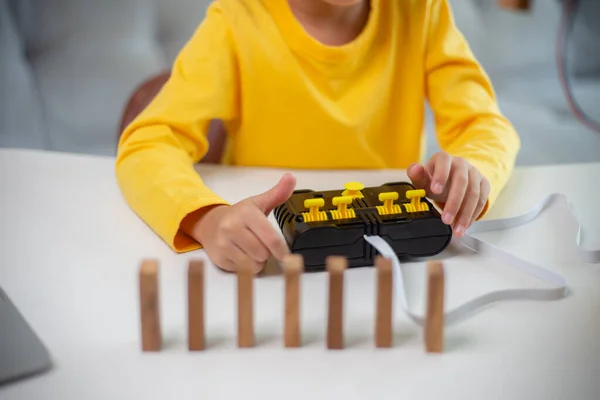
[
  {"x": 278, "y": 194},
  {"x": 225, "y": 264},
  {"x": 241, "y": 258},
  {"x": 442, "y": 165},
  {"x": 250, "y": 244},
  {"x": 469, "y": 203},
  {"x": 417, "y": 175},
  {"x": 231, "y": 257},
  {"x": 484, "y": 193},
  {"x": 262, "y": 228},
  {"x": 458, "y": 187}
]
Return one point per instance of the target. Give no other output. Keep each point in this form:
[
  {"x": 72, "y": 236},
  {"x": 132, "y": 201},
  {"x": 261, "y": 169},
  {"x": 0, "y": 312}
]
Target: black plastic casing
[{"x": 411, "y": 235}]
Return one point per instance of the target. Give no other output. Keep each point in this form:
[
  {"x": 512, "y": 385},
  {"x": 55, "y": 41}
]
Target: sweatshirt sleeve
[
  {"x": 468, "y": 121},
  {"x": 158, "y": 150}
]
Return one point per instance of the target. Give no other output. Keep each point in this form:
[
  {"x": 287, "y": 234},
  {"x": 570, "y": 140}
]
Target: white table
[{"x": 69, "y": 258}]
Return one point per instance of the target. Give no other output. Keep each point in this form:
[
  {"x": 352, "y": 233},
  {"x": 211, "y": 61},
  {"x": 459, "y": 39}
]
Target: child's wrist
[{"x": 193, "y": 223}]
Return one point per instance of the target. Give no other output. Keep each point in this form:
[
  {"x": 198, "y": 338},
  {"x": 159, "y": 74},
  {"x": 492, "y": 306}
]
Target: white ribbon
[{"x": 558, "y": 289}]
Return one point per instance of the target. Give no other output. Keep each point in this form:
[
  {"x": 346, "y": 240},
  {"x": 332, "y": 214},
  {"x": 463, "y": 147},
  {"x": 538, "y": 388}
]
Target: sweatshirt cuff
[{"x": 179, "y": 240}]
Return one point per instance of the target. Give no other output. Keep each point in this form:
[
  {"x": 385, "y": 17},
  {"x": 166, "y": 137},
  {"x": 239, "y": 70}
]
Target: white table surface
[{"x": 71, "y": 249}]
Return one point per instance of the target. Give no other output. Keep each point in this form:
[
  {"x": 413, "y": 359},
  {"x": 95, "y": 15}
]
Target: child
[{"x": 350, "y": 76}]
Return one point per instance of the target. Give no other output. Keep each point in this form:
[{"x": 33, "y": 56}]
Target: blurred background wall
[{"x": 67, "y": 68}]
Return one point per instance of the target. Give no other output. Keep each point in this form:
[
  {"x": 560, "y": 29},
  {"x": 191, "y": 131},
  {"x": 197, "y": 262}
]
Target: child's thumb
[{"x": 277, "y": 195}]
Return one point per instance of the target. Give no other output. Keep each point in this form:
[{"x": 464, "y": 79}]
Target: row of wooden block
[{"x": 292, "y": 271}]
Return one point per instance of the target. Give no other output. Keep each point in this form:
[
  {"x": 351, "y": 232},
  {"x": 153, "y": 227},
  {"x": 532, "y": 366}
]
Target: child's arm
[
  {"x": 469, "y": 125},
  {"x": 157, "y": 153}
]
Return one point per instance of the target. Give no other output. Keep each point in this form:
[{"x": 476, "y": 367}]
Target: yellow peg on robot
[
  {"x": 415, "y": 197},
  {"x": 353, "y": 189},
  {"x": 342, "y": 211},
  {"x": 388, "y": 206},
  {"x": 314, "y": 214}
]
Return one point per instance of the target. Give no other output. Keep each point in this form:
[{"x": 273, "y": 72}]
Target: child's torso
[{"x": 305, "y": 105}]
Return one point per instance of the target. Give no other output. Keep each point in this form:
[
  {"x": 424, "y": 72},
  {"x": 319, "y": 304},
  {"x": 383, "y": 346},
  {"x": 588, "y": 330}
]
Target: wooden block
[
  {"x": 383, "y": 319},
  {"x": 245, "y": 278},
  {"x": 434, "y": 321},
  {"x": 293, "y": 266},
  {"x": 150, "y": 306},
  {"x": 336, "y": 266},
  {"x": 196, "y": 336}
]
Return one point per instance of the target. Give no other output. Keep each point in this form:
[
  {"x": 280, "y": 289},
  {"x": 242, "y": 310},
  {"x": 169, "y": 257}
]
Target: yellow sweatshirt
[{"x": 252, "y": 65}]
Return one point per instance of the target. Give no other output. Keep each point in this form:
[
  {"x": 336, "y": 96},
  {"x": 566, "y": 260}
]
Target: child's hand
[
  {"x": 240, "y": 234},
  {"x": 455, "y": 182}
]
